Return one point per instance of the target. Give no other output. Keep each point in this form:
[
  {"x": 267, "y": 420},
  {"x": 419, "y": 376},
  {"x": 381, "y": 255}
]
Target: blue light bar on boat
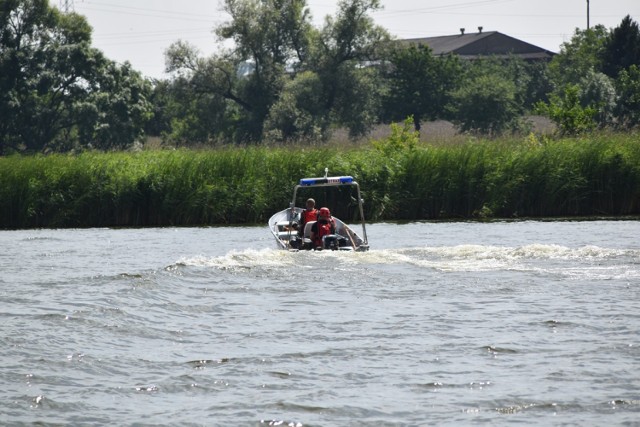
[{"x": 339, "y": 180}]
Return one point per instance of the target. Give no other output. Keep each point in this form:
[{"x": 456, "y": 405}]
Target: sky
[{"x": 139, "y": 31}]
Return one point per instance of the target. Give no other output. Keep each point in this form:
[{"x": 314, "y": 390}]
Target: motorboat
[{"x": 286, "y": 225}]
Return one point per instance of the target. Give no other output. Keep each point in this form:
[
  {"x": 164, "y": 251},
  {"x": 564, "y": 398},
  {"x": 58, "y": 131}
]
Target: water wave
[
  {"x": 237, "y": 260},
  {"x": 580, "y": 262},
  {"x": 533, "y": 251},
  {"x": 571, "y": 262}
]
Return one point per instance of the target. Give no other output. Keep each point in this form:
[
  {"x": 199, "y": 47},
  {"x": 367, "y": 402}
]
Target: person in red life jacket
[
  {"x": 323, "y": 227},
  {"x": 309, "y": 214}
]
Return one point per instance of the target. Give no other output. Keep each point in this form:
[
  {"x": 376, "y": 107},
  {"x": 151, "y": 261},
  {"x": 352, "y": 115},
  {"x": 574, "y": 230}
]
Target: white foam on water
[
  {"x": 586, "y": 261},
  {"x": 574, "y": 263},
  {"x": 248, "y": 258}
]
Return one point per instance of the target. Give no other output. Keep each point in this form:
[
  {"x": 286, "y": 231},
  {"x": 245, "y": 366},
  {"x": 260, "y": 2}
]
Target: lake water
[{"x": 533, "y": 323}]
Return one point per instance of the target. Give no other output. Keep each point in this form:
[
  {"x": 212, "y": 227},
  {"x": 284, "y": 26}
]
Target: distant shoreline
[{"x": 534, "y": 177}]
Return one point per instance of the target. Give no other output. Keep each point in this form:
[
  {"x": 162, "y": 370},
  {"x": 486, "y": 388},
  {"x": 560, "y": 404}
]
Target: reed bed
[{"x": 532, "y": 177}]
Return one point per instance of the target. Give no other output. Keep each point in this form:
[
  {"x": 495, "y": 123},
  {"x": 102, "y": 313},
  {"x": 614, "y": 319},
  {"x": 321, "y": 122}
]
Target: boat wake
[
  {"x": 591, "y": 261},
  {"x": 244, "y": 259}
]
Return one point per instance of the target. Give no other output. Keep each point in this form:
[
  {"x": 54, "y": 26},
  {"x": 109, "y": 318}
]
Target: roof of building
[{"x": 474, "y": 45}]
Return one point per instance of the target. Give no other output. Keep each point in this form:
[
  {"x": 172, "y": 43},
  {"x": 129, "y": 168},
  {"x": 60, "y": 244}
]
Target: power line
[
  {"x": 443, "y": 8},
  {"x": 149, "y": 12},
  {"x": 66, "y": 6}
]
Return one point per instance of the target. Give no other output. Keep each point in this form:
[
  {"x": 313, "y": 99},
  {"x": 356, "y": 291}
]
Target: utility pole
[
  {"x": 588, "y": 26},
  {"x": 66, "y": 6}
]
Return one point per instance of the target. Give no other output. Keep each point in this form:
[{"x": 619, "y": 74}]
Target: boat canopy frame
[{"x": 332, "y": 181}]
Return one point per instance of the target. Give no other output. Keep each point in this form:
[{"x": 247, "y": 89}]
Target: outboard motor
[
  {"x": 295, "y": 242},
  {"x": 307, "y": 244},
  {"x": 334, "y": 242}
]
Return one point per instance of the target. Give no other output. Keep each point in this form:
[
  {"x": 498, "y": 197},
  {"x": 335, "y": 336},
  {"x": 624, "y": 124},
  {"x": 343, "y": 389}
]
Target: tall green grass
[
  {"x": 598, "y": 175},
  {"x": 531, "y": 178}
]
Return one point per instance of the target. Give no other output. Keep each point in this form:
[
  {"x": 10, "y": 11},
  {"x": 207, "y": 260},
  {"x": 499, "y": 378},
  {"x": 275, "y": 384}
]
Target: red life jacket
[
  {"x": 311, "y": 215},
  {"x": 324, "y": 229}
]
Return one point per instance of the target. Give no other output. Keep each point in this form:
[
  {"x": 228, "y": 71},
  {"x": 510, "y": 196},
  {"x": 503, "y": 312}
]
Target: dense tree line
[
  {"x": 285, "y": 80},
  {"x": 57, "y": 92},
  {"x": 596, "y": 80}
]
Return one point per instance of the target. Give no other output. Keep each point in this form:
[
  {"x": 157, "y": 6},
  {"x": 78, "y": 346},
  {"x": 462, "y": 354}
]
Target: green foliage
[
  {"x": 592, "y": 60},
  {"x": 284, "y": 80},
  {"x": 338, "y": 51},
  {"x": 567, "y": 112},
  {"x": 534, "y": 84},
  {"x": 357, "y": 103},
  {"x": 598, "y": 90},
  {"x": 419, "y": 83},
  {"x": 120, "y": 109},
  {"x": 299, "y": 112},
  {"x": 401, "y": 139},
  {"x": 439, "y": 182},
  {"x": 532, "y": 178},
  {"x": 273, "y": 43},
  {"x": 349, "y": 36},
  {"x": 270, "y": 32},
  {"x": 578, "y": 57},
  {"x": 386, "y": 167},
  {"x": 628, "y": 88},
  {"x": 622, "y": 48},
  {"x": 486, "y": 96},
  {"x": 182, "y": 115},
  {"x": 399, "y": 178},
  {"x": 486, "y": 104},
  {"x": 56, "y": 91},
  {"x": 268, "y": 36},
  {"x": 146, "y": 188}
]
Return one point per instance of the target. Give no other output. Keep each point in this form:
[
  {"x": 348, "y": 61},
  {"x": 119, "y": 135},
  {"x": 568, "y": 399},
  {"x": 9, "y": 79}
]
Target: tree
[
  {"x": 531, "y": 79},
  {"x": 358, "y": 101},
  {"x": 183, "y": 115},
  {"x": 628, "y": 89},
  {"x": 622, "y": 48},
  {"x": 298, "y": 113},
  {"x": 579, "y": 56},
  {"x": 117, "y": 107},
  {"x": 538, "y": 86},
  {"x": 50, "y": 78},
  {"x": 44, "y": 56},
  {"x": 273, "y": 43},
  {"x": 268, "y": 36},
  {"x": 486, "y": 104},
  {"x": 598, "y": 91},
  {"x": 567, "y": 112},
  {"x": 344, "y": 54},
  {"x": 420, "y": 84}
]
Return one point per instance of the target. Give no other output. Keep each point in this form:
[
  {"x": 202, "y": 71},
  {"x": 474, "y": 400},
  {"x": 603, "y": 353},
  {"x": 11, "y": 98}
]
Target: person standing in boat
[
  {"x": 323, "y": 227},
  {"x": 307, "y": 215}
]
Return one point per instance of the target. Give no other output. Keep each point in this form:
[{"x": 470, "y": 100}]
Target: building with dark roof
[{"x": 475, "y": 45}]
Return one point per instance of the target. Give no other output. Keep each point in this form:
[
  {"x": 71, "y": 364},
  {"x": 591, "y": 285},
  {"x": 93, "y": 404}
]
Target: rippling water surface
[{"x": 439, "y": 324}]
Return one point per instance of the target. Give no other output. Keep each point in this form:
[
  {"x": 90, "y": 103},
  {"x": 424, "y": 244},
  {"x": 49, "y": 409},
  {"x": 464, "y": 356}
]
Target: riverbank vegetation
[{"x": 401, "y": 179}]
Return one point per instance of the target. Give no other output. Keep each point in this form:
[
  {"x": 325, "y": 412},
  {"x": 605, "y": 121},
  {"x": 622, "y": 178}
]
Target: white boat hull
[{"x": 284, "y": 227}]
